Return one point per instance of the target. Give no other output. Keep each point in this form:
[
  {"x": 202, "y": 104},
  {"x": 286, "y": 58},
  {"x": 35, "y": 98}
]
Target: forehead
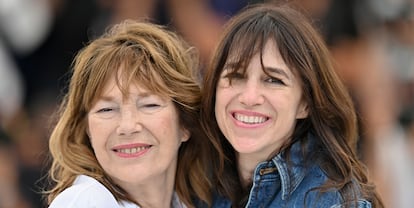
[
  {"x": 268, "y": 55},
  {"x": 271, "y": 54},
  {"x": 124, "y": 86}
]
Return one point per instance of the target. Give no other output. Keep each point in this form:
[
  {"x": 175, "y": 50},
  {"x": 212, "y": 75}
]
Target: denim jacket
[{"x": 275, "y": 184}]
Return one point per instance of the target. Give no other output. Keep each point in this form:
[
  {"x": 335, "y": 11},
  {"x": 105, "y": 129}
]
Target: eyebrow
[
  {"x": 277, "y": 71},
  {"x": 112, "y": 98},
  {"x": 267, "y": 69}
]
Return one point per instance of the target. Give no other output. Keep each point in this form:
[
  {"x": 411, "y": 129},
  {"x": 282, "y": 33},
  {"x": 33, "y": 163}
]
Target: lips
[
  {"x": 250, "y": 119},
  {"x": 131, "y": 150}
]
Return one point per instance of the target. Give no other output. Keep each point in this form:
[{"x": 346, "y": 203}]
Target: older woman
[{"x": 128, "y": 133}]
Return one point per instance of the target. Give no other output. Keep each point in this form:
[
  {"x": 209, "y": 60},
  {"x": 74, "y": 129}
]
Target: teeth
[
  {"x": 250, "y": 119},
  {"x": 132, "y": 150}
]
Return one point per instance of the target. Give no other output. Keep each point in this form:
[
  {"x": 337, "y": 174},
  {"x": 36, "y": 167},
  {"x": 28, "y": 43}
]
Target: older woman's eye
[
  {"x": 104, "y": 110},
  {"x": 151, "y": 105},
  {"x": 150, "y": 108}
]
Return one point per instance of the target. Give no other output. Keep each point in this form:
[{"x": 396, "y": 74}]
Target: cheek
[
  {"x": 218, "y": 107},
  {"x": 294, "y": 110},
  {"x": 286, "y": 106},
  {"x": 222, "y": 97},
  {"x": 170, "y": 127},
  {"x": 92, "y": 127},
  {"x": 165, "y": 123},
  {"x": 97, "y": 131}
]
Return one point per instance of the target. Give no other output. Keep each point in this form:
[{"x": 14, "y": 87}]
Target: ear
[
  {"x": 185, "y": 135},
  {"x": 302, "y": 111}
]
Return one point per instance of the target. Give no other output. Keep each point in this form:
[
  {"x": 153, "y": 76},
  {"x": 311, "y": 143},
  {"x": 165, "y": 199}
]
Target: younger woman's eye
[
  {"x": 232, "y": 78},
  {"x": 234, "y": 75},
  {"x": 273, "y": 80}
]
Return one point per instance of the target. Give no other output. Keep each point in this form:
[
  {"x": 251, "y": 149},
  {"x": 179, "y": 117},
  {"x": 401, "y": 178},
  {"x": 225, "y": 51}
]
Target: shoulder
[
  {"x": 85, "y": 192},
  {"x": 332, "y": 198}
]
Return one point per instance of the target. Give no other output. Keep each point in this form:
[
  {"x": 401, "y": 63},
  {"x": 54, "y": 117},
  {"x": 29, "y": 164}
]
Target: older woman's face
[
  {"x": 135, "y": 138},
  {"x": 257, "y": 113}
]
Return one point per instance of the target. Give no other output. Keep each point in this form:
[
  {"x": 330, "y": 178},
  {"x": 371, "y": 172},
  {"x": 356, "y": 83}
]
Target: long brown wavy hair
[
  {"x": 332, "y": 117},
  {"x": 158, "y": 60}
]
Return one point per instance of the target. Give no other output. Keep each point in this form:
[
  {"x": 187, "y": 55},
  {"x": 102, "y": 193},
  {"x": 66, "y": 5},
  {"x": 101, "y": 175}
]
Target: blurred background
[{"x": 372, "y": 42}]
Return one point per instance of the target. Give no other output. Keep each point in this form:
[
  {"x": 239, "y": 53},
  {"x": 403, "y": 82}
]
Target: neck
[
  {"x": 247, "y": 164},
  {"x": 160, "y": 199},
  {"x": 155, "y": 193}
]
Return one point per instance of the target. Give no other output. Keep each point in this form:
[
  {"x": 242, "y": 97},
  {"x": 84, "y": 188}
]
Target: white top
[{"x": 87, "y": 192}]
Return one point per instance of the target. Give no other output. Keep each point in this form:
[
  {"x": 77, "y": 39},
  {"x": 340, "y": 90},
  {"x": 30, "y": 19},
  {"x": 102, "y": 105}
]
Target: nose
[
  {"x": 129, "y": 123},
  {"x": 251, "y": 94}
]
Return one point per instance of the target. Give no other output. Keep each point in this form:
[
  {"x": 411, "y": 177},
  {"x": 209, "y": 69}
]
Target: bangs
[
  {"x": 139, "y": 68},
  {"x": 129, "y": 65},
  {"x": 248, "y": 40}
]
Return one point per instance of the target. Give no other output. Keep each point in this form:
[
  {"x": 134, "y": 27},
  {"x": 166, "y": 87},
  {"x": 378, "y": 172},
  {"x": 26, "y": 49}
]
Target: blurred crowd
[{"x": 372, "y": 42}]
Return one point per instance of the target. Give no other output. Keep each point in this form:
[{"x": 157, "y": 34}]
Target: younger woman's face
[{"x": 257, "y": 112}]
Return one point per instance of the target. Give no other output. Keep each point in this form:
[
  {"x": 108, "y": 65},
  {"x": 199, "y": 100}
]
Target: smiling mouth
[
  {"x": 133, "y": 150},
  {"x": 250, "y": 119}
]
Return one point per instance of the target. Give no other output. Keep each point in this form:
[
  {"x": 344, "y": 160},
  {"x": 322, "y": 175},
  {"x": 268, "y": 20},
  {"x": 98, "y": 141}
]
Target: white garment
[{"x": 86, "y": 192}]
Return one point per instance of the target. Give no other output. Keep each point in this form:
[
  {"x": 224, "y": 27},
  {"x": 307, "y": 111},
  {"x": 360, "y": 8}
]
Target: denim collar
[{"x": 291, "y": 174}]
